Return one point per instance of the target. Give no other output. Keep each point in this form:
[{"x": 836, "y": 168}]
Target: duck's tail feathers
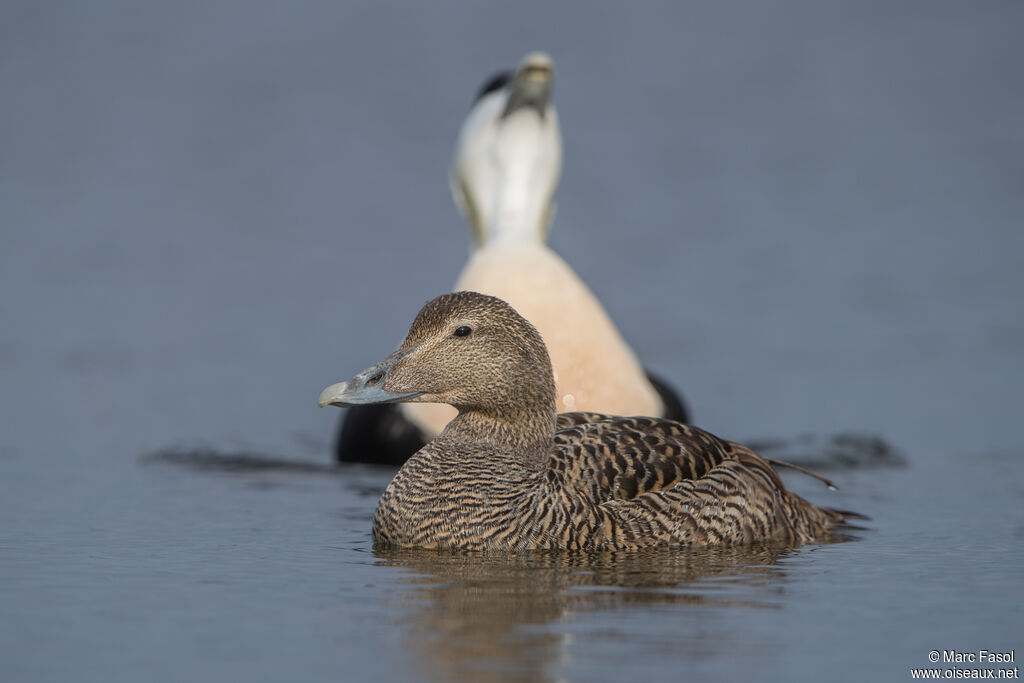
[
  {"x": 843, "y": 519},
  {"x": 848, "y": 514}
]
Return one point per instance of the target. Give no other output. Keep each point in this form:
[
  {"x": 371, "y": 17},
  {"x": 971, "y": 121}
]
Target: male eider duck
[
  {"x": 506, "y": 168},
  {"x": 509, "y": 473}
]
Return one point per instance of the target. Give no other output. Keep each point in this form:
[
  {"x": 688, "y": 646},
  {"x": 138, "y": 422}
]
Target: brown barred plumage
[{"x": 508, "y": 474}]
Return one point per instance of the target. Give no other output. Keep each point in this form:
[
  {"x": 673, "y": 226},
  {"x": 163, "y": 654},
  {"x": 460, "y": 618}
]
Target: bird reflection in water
[{"x": 484, "y": 617}]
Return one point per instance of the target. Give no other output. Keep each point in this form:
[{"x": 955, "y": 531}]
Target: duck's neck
[
  {"x": 518, "y": 205},
  {"x": 520, "y": 215},
  {"x": 525, "y": 436}
]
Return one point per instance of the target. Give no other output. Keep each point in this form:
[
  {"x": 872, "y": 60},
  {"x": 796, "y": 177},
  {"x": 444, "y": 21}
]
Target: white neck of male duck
[{"x": 509, "y": 158}]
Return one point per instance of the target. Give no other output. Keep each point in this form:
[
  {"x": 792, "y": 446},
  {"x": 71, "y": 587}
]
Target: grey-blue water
[{"x": 809, "y": 215}]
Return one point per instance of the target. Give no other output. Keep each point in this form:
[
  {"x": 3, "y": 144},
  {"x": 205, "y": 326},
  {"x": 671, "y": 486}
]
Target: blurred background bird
[{"x": 504, "y": 177}]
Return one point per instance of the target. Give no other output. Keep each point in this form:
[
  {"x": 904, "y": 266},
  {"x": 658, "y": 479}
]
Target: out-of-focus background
[{"x": 806, "y": 215}]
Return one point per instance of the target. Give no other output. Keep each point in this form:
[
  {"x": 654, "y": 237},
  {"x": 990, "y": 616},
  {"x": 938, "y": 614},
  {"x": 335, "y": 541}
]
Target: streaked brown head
[{"x": 466, "y": 349}]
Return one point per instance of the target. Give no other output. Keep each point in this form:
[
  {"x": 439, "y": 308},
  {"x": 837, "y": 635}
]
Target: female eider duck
[
  {"x": 508, "y": 473},
  {"x": 507, "y": 164}
]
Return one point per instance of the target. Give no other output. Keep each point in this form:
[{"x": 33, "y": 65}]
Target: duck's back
[
  {"x": 595, "y": 370},
  {"x": 667, "y": 483}
]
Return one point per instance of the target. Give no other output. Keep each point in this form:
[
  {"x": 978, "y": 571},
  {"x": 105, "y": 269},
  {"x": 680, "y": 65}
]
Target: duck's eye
[{"x": 463, "y": 331}]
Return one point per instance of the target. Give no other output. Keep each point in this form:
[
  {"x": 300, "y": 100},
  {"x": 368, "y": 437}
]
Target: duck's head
[
  {"x": 466, "y": 349},
  {"x": 509, "y": 155}
]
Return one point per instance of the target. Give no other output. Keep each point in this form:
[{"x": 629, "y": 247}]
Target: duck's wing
[
  {"x": 679, "y": 484},
  {"x": 621, "y": 458}
]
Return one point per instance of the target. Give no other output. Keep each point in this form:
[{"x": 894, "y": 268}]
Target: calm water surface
[
  {"x": 809, "y": 217},
  {"x": 174, "y": 572}
]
